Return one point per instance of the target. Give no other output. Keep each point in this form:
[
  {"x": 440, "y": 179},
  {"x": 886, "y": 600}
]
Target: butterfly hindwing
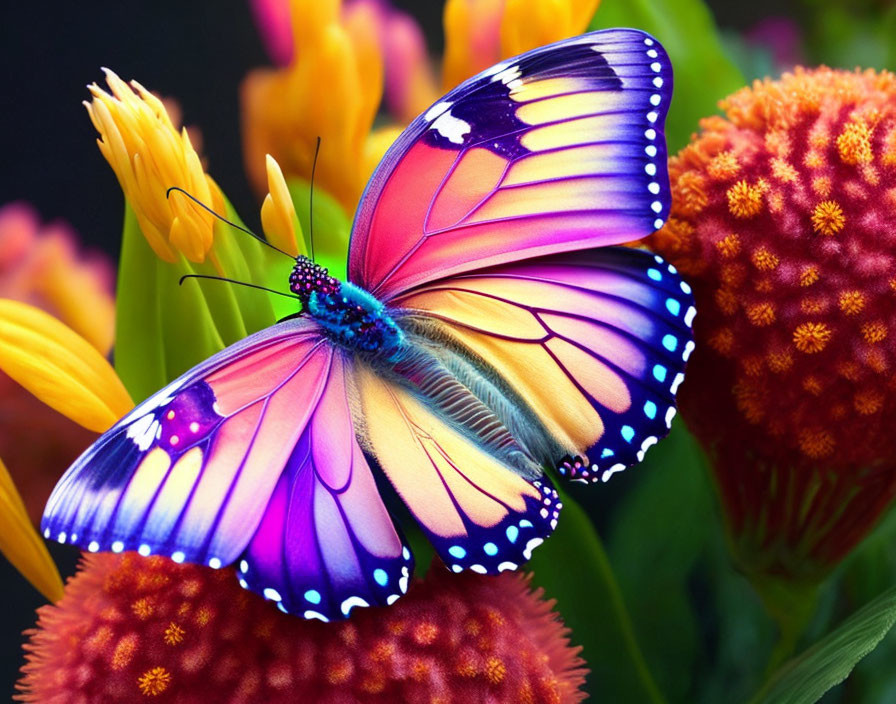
[
  {"x": 478, "y": 512},
  {"x": 326, "y": 542},
  {"x": 559, "y": 149},
  {"x": 594, "y": 343}
]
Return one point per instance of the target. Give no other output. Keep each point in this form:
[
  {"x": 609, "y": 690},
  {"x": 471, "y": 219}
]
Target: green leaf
[
  {"x": 703, "y": 71},
  {"x": 139, "y": 355},
  {"x": 164, "y": 328},
  {"x": 659, "y": 533},
  {"x": 807, "y": 677},
  {"x": 573, "y": 568}
]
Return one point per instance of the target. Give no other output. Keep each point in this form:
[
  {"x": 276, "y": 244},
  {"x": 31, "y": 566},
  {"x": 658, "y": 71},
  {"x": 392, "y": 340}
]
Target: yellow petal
[
  {"x": 527, "y": 24},
  {"x": 479, "y": 33},
  {"x": 21, "y": 544},
  {"x": 149, "y": 156},
  {"x": 471, "y": 38},
  {"x": 60, "y": 367},
  {"x": 331, "y": 90},
  {"x": 278, "y": 214},
  {"x": 378, "y": 141}
]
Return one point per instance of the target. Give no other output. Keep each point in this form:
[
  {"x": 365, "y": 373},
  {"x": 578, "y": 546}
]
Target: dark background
[{"x": 195, "y": 52}]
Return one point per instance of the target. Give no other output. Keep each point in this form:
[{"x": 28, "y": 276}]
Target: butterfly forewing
[
  {"x": 249, "y": 458},
  {"x": 559, "y": 149}
]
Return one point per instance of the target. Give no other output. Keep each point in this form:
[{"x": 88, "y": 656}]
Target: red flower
[
  {"x": 782, "y": 220},
  {"x": 131, "y": 627}
]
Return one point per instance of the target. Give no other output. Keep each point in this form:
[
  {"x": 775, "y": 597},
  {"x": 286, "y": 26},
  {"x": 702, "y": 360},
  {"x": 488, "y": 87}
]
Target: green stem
[
  {"x": 573, "y": 568},
  {"x": 792, "y": 606},
  {"x": 620, "y": 611}
]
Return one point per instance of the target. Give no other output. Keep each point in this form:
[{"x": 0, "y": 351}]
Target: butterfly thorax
[{"x": 351, "y": 317}]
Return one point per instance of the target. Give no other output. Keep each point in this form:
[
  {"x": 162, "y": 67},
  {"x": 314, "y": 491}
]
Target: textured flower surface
[
  {"x": 131, "y": 628},
  {"x": 782, "y": 219}
]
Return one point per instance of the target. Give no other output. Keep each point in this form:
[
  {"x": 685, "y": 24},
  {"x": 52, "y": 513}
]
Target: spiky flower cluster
[
  {"x": 132, "y": 628},
  {"x": 783, "y": 221},
  {"x": 783, "y": 215}
]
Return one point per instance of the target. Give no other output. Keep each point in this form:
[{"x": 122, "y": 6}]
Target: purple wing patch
[{"x": 557, "y": 150}]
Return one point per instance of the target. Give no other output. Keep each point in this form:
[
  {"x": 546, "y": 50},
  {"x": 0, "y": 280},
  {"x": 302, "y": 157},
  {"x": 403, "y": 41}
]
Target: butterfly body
[{"x": 487, "y": 332}]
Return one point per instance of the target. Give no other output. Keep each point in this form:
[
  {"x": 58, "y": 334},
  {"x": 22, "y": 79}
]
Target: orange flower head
[
  {"x": 135, "y": 629},
  {"x": 782, "y": 219}
]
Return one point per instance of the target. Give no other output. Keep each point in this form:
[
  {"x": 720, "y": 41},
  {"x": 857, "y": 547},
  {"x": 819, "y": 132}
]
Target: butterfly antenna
[
  {"x": 225, "y": 220},
  {"x": 311, "y": 199},
  {"x": 232, "y": 281}
]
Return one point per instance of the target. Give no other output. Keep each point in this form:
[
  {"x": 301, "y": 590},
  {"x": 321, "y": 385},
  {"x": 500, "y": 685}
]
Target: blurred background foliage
[{"x": 689, "y": 617}]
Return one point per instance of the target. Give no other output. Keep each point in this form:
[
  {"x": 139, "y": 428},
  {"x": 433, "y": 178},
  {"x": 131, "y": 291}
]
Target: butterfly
[{"x": 487, "y": 330}]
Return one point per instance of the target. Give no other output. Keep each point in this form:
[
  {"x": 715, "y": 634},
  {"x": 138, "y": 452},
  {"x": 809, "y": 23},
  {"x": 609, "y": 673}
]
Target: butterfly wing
[
  {"x": 209, "y": 468},
  {"x": 478, "y": 512},
  {"x": 593, "y": 344},
  {"x": 326, "y": 542},
  {"x": 556, "y": 150}
]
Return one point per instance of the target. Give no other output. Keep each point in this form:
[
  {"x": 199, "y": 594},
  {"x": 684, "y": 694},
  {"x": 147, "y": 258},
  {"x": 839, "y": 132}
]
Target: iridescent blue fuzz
[
  {"x": 351, "y": 317},
  {"x": 357, "y": 321}
]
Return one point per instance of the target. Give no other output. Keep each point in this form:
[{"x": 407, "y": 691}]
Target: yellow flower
[
  {"x": 67, "y": 373},
  {"x": 479, "y": 33},
  {"x": 526, "y": 24},
  {"x": 42, "y": 264},
  {"x": 21, "y": 544},
  {"x": 278, "y": 214},
  {"x": 331, "y": 90},
  {"x": 59, "y": 367},
  {"x": 149, "y": 156},
  {"x": 334, "y": 82}
]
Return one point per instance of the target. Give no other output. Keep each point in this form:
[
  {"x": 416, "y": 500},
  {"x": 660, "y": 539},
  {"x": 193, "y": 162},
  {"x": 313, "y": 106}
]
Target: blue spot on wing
[
  {"x": 665, "y": 344},
  {"x": 507, "y": 545}
]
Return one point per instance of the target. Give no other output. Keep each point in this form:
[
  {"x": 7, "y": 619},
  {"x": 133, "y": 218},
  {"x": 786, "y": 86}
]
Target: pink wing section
[
  {"x": 556, "y": 150},
  {"x": 189, "y": 472},
  {"x": 326, "y": 543}
]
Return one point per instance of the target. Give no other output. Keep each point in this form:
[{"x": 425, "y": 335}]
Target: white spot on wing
[
  {"x": 451, "y": 128},
  {"x": 530, "y": 546},
  {"x": 611, "y": 471},
  {"x": 351, "y": 603},
  {"x": 670, "y": 415},
  {"x": 143, "y": 431},
  {"x": 437, "y": 110},
  {"x": 508, "y": 75},
  {"x": 272, "y": 594}
]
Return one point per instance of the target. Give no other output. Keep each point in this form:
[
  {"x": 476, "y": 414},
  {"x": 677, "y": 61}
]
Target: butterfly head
[{"x": 307, "y": 278}]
